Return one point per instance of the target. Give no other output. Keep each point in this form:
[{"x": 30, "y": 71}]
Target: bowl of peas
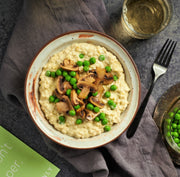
[{"x": 172, "y": 132}]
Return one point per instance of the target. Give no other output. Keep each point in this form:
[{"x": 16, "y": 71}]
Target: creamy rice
[{"x": 47, "y": 86}]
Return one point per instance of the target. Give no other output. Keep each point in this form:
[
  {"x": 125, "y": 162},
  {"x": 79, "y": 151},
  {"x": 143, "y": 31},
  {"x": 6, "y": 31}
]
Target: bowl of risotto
[{"x": 82, "y": 89}]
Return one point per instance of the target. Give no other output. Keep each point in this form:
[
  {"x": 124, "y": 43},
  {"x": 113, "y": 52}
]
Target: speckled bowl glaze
[{"x": 32, "y": 84}]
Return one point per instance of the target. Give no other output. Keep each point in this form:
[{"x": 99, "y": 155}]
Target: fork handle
[{"x": 133, "y": 127}]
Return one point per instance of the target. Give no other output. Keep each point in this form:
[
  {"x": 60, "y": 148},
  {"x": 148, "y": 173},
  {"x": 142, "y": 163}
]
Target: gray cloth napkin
[{"x": 145, "y": 154}]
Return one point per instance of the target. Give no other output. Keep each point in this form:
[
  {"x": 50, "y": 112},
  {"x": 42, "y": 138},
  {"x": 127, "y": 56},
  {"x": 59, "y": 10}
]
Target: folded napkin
[{"x": 145, "y": 154}]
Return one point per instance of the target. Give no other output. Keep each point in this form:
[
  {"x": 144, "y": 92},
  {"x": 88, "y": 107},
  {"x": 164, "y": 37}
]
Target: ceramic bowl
[{"x": 58, "y": 44}]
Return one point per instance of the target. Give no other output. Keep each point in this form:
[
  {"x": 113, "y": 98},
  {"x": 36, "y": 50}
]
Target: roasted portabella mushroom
[{"x": 69, "y": 65}]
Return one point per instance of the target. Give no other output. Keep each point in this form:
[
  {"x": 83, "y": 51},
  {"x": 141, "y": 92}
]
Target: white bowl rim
[{"x": 103, "y": 35}]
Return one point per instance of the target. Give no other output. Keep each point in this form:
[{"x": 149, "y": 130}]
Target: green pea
[
  {"x": 95, "y": 94},
  {"x": 52, "y": 98},
  {"x": 178, "y": 144},
  {"x": 175, "y": 130},
  {"x": 101, "y": 57},
  {"x": 107, "y": 128},
  {"x": 113, "y": 87},
  {"x": 108, "y": 68},
  {"x": 79, "y": 63},
  {"x": 72, "y": 113},
  {"x": 175, "y": 109},
  {"x": 68, "y": 92},
  {"x": 62, "y": 119},
  {"x": 56, "y": 100},
  {"x": 92, "y": 60},
  {"x": 81, "y": 55},
  {"x": 58, "y": 72},
  {"x": 110, "y": 102},
  {"x": 104, "y": 121},
  {"x": 78, "y": 91},
  {"x": 75, "y": 86},
  {"x": 168, "y": 134},
  {"x": 96, "y": 109},
  {"x": 72, "y": 73},
  {"x": 174, "y": 125},
  {"x": 86, "y": 63},
  {"x": 172, "y": 133},
  {"x": 48, "y": 73},
  {"x": 65, "y": 73},
  {"x": 97, "y": 119},
  {"x": 86, "y": 68},
  {"x": 90, "y": 106},
  {"x": 53, "y": 74},
  {"x": 79, "y": 121},
  {"x": 171, "y": 114},
  {"x": 168, "y": 127},
  {"x": 77, "y": 107},
  {"x": 73, "y": 81},
  {"x": 113, "y": 106},
  {"x": 176, "y": 122},
  {"x": 102, "y": 116},
  {"x": 115, "y": 78},
  {"x": 178, "y": 112},
  {"x": 107, "y": 94},
  {"x": 176, "y": 134},
  {"x": 178, "y": 126},
  {"x": 176, "y": 140},
  {"x": 177, "y": 116},
  {"x": 168, "y": 121},
  {"x": 68, "y": 78},
  {"x": 179, "y": 131}
]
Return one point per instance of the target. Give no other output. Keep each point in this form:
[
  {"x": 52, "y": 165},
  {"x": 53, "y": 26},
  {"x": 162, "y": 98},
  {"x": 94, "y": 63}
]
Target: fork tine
[
  {"x": 157, "y": 60},
  {"x": 169, "y": 54}
]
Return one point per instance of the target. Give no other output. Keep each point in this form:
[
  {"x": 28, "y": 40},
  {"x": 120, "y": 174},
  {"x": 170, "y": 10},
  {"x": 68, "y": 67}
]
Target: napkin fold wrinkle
[{"x": 145, "y": 154}]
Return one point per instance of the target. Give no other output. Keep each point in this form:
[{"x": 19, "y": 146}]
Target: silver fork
[{"x": 159, "y": 67}]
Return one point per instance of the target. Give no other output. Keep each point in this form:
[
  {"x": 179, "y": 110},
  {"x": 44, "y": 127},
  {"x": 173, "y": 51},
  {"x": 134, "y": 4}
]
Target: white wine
[{"x": 145, "y": 16}]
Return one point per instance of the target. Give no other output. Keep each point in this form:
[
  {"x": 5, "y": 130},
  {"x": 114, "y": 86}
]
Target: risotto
[{"x": 83, "y": 90}]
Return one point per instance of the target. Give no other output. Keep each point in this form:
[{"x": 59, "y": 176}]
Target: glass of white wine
[{"x": 143, "y": 19}]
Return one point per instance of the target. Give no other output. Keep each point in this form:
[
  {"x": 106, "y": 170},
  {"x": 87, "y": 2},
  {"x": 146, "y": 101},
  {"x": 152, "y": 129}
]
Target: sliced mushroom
[
  {"x": 84, "y": 92},
  {"x": 96, "y": 101},
  {"x": 74, "y": 99},
  {"x": 86, "y": 88},
  {"x": 64, "y": 106},
  {"x": 66, "y": 85},
  {"x": 100, "y": 72},
  {"x": 69, "y": 65},
  {"x": 100, "y": 91},
  {"x": 81, "y": 112},
  {"x": 90, "y": 115},
  {"x": 62, "y": 86},
  {"x": 77, "y": 75},
  {"x": 57, "y": 94},
  {"x": 108, "y": 79},
  {"x": 90, "y": 78}
]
